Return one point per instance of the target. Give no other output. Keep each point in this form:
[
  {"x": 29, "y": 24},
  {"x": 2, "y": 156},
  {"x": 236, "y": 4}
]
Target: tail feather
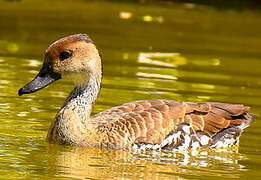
[
  {"x": 249, "y": 118},
  {"x": 230, "y": 136}
]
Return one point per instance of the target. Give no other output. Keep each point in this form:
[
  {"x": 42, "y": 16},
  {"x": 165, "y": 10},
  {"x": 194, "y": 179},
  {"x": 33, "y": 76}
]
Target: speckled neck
[
  {"x": 84, "y": 95},
  {"x": 73, "y": 124}
]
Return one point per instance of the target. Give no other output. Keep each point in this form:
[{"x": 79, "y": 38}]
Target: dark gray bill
[{"x": 45, "y": 77}]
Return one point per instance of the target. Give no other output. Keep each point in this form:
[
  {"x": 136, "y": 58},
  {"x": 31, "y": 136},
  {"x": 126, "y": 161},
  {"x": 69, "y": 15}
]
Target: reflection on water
[
  {"x": 181, "y": 52},
  {"x": 77, "y": 162},
  {"x": 162, "y": 59}
]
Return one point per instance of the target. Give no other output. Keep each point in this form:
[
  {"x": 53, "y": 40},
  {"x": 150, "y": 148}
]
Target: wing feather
[{"x": 150, "y": 121}]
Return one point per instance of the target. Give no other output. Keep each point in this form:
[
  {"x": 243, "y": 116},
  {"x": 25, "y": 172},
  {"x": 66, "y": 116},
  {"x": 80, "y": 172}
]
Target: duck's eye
[{"x": 65, "y": 55}]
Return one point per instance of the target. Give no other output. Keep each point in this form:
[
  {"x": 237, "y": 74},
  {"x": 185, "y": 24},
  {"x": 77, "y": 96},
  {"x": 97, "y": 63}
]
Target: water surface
[{"x": 150, "y": 51}]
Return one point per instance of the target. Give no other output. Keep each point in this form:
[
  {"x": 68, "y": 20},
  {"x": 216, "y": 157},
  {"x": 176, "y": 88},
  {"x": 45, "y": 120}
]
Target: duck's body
[{"x": 149, "y": 124}]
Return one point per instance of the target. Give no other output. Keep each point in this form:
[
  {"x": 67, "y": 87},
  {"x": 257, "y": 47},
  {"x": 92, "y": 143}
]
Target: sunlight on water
[
  {"x": 146, "y": 18},
  {"x": 158, "y": 76},
  {"x": 34, "y": 63},
  {"x": 162, "y": 59}
]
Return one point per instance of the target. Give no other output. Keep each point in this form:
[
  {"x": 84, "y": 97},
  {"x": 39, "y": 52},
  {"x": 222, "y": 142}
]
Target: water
[{"x": 170, "y": 51}]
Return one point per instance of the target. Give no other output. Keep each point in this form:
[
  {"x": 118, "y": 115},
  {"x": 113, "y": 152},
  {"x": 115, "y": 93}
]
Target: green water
[{"x": 170, "y": 51}]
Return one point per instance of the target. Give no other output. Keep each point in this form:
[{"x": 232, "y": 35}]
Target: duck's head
[{"x": 74, "y": 56}]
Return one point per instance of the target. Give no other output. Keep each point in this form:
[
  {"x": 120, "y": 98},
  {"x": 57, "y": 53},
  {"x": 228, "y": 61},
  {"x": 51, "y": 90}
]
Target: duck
[{"x": 157, "y": 124}]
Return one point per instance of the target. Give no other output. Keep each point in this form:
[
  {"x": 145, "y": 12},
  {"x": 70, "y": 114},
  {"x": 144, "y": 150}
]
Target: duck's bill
[{"x": 45, "y": 77}]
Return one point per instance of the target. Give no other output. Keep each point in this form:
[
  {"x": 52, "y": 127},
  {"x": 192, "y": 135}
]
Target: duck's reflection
[{"x": 94, "y": 163}]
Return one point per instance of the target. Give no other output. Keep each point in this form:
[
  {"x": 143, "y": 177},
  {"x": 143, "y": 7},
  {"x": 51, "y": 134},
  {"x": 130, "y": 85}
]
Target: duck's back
[{"x": 168, "y": 124}]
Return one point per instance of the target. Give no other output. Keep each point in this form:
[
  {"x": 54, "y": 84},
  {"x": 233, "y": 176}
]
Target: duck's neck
[
  {"x": 84, "y": 95},
  {"x": 73, "y": 124}
]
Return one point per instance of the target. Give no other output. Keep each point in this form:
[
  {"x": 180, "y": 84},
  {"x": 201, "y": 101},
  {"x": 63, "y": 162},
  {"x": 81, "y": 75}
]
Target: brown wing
[{"x": 150, "y": 121}]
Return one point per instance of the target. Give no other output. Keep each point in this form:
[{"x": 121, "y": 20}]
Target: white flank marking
[
  {"x": 219, "y": 144},
  {"x": 157, "y": 146},
  {"x": 149, "y": 146},
  {"x": 187, "y": 141},
  {"x": 204, "y": 140},
  {"x": 143, "y": 147},
  {"x": 186, "y": 129},
  {"x": 229, "y": 142},
  {"x": 195, "y": 145},
  {"x": 171, "y": 139}
]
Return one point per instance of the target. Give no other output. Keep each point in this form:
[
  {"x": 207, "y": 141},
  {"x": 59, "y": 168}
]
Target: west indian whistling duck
[{"x": 146, "y": 124}]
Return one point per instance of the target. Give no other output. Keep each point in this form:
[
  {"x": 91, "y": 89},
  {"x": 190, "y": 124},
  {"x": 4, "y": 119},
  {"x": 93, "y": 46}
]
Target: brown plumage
[
  {"x": 150, "y": 121},
  {"x": 149, "y": 124}
]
